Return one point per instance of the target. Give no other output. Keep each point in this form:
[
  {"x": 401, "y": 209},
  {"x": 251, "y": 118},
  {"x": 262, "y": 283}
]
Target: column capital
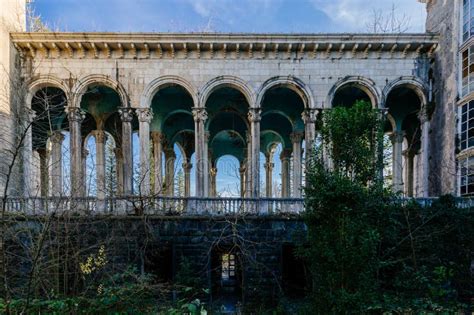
[
  {"x": 254, "y": 114},
  {"x": 269, "y": 166},
  {"x": 199, "y": 114},
  {"x": 99, "y": 136},
  {"x": 75, "y": 114},
  {"x": 213, "y": 171},
  {"x": 187, "y": 166},
  {"x": 56, "y": 137},
  {"x": 30, "y": 115},
  {"x": 158, "y": 137},
  {"x": 409, "y": 153},
  {"x": 285, "y": 154},
  {"x": 169, "y": 153},
  {"x": 118, "y": 152},
  {"x": 126, "y": 114},
  {"x": 85, "y": 153},
  {"x": 144, "y": 114},
  {"x": 297, "y": 136},
  {"x": 310, "y": 115},
  {"x": 423, "y": 116},
  {"x": 242, "y": 169},
  {"x": 397, "y": 136}
]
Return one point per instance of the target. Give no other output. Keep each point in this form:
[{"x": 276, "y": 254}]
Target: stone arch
[
  {"x": 366, "y": 85},
  {"x": 227, "y": 81},
  {"x": 410, "y": 82},
  {"x": 38, "y": 83},
  {"x": 165, "y": 81},
  {"x": 81, "y": 86},
  {"x": 293, "y": 83}
]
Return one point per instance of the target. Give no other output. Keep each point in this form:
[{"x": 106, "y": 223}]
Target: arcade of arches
[{"x": 103, "y": 148}]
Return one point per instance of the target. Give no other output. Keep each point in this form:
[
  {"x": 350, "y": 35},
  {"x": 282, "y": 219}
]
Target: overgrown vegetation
[{"x": 367, "y": 250}]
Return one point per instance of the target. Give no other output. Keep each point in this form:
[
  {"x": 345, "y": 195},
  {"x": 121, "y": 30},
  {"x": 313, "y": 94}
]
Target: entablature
[{"x": 223, "y": 46}]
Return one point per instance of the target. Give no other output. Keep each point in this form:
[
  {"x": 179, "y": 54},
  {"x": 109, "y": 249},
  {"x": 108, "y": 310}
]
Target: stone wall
[
  {"x": 130, "y": 241},
  {"x": 443, "y": 18}
]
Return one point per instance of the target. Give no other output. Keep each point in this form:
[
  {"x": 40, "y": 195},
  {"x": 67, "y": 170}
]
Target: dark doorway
[
  {"x": 226, "y": 279},
  {"x": 159, "y": 262},
  {"x": 294, "y": 273}
]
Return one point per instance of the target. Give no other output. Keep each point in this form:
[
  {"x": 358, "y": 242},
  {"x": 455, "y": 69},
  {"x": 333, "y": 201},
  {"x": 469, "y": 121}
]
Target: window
[
  {"x": 468, "y": 70},
  {"x": 467, "y": 176},
  {"x": 467, "y": 126},
  {"x": 468, "y": 19},
  {"x": 228, "y": 267}
]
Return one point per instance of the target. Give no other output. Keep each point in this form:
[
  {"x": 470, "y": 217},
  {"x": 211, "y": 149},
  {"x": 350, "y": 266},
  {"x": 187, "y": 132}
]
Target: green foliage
[{"x": 367, "y": 251}]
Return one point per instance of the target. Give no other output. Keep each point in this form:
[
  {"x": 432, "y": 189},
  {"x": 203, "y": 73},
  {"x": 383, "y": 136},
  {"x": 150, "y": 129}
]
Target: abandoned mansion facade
[{"x": 142, "y": 99}]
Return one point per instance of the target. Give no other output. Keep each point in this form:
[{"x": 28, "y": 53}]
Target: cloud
[{"x": 355, "y": 15}]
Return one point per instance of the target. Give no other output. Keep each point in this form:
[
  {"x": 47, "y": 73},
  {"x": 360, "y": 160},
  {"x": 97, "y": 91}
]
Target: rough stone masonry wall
[
  {"x": 443, "y": 18},
  {"x": 128, "y": 240}
]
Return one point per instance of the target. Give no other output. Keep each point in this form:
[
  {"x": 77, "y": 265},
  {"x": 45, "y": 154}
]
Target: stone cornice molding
[{"x": 223, "y": 46}]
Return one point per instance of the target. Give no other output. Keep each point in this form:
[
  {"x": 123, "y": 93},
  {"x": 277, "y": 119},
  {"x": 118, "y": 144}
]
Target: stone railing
[{"x": 134, "y": 205}]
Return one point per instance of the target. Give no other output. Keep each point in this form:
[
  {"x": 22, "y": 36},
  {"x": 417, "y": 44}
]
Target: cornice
[{"x": 222, "y": 46}]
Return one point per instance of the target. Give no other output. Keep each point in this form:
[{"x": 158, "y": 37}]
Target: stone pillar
[
  {"x": 27, "y": 156},
  {"x": 242, "y": 172},
  {"x": 309, "y": 117},
  {"x": 187, "y": 178},
  {"x": 75, "y": 117},
  {"x": 247, "y": 184},
  {"x": 409, "y": 158},
  {"x": 285, "y": 157},
  {"x": 397, "y": 142},
  {"x": 170, "y": 159},
  {"x": 44, "y": 177},
  {"x": 268, "y": 177},
  {"x": 296, "y": 138},
  {"x": 254, "y": 117},
  {"x": 119, "y": 169},
  {"x": 126, "y": 115},
  {"x": 200, "y": 117},
  {"x": 213, "y": 183},
  {"x": 158, "y": 140},
  {"x": 56, "y": 139},
  {"x": 84, "y": 155},
  {"x": 425, "y": 153},
  {"x": 100, "y": 137},
  {"x": 144, "y": 118}
]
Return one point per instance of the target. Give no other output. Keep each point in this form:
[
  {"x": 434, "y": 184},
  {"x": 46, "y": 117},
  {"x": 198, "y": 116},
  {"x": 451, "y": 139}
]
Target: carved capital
[
  {"x": 187, "y": 166},
  {"x": 269, "y": 166},
  {"x": 118, "y": 153},
  {"x": 199, "y": 114},
  {"x": 296, "y": 137},
  {"x": 285, "y": 155},
  {"x": 145, "y": 114},
  {"x": 126, "y": 114},
  {"x": 310, "y": 115},
  {"x": 56, "y": 137},
  {"x": 85, "y": 153},
  {"x": 99, "y": 136},
  {"x": 397, "y": 136},
  {"x": 255, "y": 115},
  {"x": 158, "y": 137},
  {"x": 213, "y": 171},
  {"x": 75, "y": 114},
  {"x": 30, "y": 115},
  {"x": 423, "y": 116}
]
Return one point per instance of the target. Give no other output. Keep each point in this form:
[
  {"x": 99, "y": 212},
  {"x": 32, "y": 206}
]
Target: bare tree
[{"x": 388, "y": 21}]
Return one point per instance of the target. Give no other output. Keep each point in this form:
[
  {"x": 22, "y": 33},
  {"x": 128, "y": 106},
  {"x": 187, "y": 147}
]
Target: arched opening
[
  {"x": 229, "y": 135},
  {"x": 48, "y": 141},
  {"x": 282, "y": 124},
  {"x": 404, "y": 106},
  {"x": 348, "y": 94},
  {"x": 173, "y": 139}
]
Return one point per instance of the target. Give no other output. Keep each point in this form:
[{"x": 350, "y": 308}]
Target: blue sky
[{"x": 257, "y": 16}]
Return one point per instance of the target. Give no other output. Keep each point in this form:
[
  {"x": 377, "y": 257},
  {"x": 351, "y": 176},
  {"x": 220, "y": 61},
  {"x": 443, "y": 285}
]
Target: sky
[{"x": 256, "y": 16}]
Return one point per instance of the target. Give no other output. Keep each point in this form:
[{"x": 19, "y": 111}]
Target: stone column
[
  {"x": 242, "y": 172},
  {"x": 75, "y": 117},
  {"x": 158, "y": 140},
  {"x": 200, "y": 117},
  {"x": 56, "y": 139},
  {"x": 213, "y": 183},
  {"x": 425, "y": 153},
  {"x": 285, "y": 157},
  {"x": 27, "y": 156},
  {"x": 126, "y": 115},
  {"x": 85, "y": 184},
  {"x": 309, "y": 118},
  {"x": 268, "y": 177},
  {"x": 254, "y": 117},
  {"x": 247, "y": 184},
  {"x": 187, "y": 178},
  {"x": 100, "y": 137},
  {"x": 170, "y": 159},
  {"x": 409, "y": 158},
  {"x": 44, "y": 176},
  {"x": 119, "y": 169},
  {"x": 145, "y": 116},
  {"x": 397, "y": 142},
  {"x": 296, "y": 138}
]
